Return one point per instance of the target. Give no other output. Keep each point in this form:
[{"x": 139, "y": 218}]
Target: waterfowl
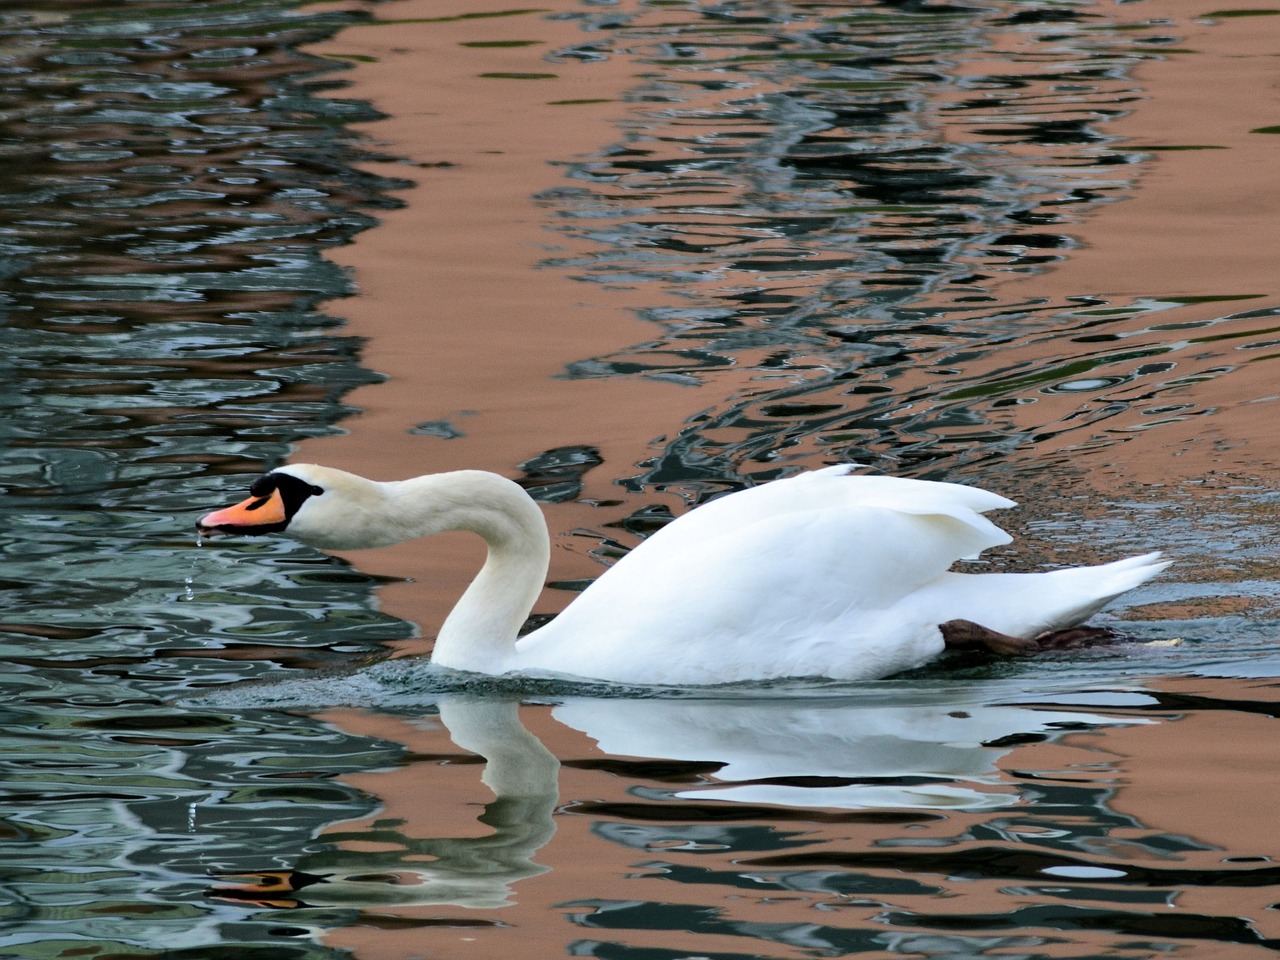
[{"x": 824, "y": 574}]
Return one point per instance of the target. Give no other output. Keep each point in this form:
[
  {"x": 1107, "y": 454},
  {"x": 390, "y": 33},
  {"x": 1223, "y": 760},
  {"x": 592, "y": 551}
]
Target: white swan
[{"x": 819, "y": 575}]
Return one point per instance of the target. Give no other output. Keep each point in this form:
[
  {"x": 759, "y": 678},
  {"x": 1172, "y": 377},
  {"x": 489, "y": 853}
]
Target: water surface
[{"x": 828, "y": 219}]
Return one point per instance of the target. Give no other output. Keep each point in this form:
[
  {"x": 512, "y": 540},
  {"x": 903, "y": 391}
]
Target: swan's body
[{"x": 823, "y": 574}]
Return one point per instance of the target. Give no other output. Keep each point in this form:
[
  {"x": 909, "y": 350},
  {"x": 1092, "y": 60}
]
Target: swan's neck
[{"x": 480, "y": 633}]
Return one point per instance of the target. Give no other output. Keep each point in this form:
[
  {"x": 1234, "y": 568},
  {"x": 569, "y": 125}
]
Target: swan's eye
[
  {"x": 291, "y": 488},
  {"x": 293, "y": 491},
  {"x": 285, "y": 489}
]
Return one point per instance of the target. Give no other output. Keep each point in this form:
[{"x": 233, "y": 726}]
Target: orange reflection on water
[{"x": 472, "y": 331}]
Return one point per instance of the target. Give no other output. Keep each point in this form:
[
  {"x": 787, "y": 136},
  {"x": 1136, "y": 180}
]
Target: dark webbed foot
[
  {"x": 967, "y": 635},
  {"x": 1073, "y": 638}
]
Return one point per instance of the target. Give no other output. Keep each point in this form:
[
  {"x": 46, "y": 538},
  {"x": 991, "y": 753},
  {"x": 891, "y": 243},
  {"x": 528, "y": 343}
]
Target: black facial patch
[
  {"x": 265, "y": 485},
  {"x": 293, "y": 494}
]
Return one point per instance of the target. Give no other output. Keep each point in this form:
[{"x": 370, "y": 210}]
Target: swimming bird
[{"x": 823, "y": 574}]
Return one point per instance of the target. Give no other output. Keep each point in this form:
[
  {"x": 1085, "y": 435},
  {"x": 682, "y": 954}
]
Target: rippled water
[
  {"x": 832, "y": 193},
  {"x": 169, "y": 185},
  {"x": 835, "y": 225}
]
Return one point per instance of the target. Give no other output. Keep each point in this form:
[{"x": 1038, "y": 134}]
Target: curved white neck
[
  {"x": 351, "y": 513},
  {"x": 480, "y": 632}
]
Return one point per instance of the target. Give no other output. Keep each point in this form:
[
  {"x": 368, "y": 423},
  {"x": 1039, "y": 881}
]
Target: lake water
[{"x": 848, "y": 232}]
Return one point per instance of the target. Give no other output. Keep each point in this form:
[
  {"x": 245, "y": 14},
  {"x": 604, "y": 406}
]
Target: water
[{"x": 820, "y": 208}]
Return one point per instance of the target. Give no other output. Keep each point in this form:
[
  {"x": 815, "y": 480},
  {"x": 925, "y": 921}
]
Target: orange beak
[{"x": 255, "y": 515}]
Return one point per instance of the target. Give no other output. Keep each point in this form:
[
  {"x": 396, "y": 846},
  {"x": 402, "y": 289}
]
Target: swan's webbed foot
[
  {"x": 1073, "y": 638},
  {"x": 967, "y": 635}
]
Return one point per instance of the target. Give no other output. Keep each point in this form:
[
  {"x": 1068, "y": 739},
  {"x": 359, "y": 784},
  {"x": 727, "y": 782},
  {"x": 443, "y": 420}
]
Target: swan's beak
[{"x": 255, "y": 515}]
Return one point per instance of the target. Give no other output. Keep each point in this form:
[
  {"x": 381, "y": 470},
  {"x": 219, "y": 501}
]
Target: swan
[{"x": 823, "y": 574}]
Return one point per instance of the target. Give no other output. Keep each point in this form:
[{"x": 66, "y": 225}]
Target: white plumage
[{"x": 820, "y": 575}]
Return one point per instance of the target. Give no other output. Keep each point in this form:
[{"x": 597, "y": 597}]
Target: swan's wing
[
  {"x": 858, "y": 508},
  {"x": 777, "y": 584},
  {"x": 865, "y": 558}
]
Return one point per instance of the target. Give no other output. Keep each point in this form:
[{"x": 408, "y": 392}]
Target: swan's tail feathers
[
  {"x": 1123, "y": 575},
  {"x": 1095, "y": 587}
]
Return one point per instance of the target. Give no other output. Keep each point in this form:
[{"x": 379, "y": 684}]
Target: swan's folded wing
[
  {"x": 833, "y": 492},
  {"x": 864, "y": 517},
  {"x": 771, "y": 597},
  {"x": 864, "y": 557}
]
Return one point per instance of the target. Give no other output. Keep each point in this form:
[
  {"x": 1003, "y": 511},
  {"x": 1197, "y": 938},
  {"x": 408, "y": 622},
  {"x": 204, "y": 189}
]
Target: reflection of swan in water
[
  {"x": 828, "y": 753},
  {"x": 469, "y": 871},
  {"x": 836, "y": 752}
]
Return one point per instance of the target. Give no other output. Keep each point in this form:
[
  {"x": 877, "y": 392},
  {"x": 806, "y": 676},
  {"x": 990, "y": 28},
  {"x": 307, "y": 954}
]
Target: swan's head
[
  {"x": 335, "y": 510},
  {"x": 320, "y": 506}
]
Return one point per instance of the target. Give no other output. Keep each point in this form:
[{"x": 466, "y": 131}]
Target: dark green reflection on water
[
  {"x": 171, "y": 185},
  {"x": 168, "y": 183}
]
